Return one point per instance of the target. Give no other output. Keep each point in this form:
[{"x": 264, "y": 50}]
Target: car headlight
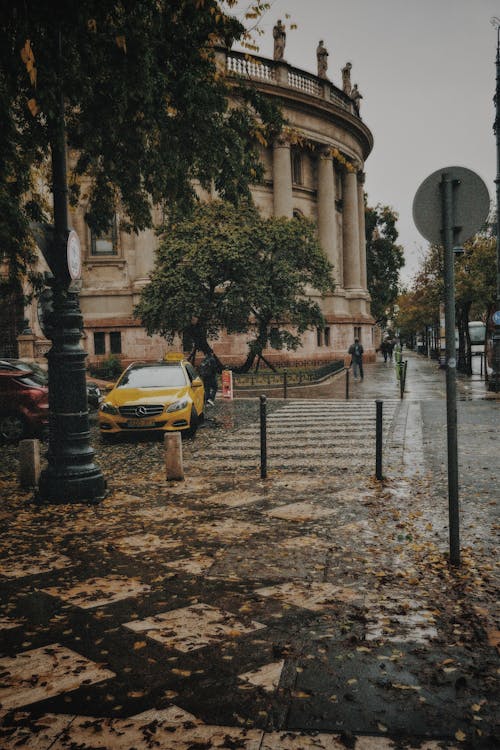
[
  {"x": 178, "y": 405},
  {"x": 108, "y": 408}
]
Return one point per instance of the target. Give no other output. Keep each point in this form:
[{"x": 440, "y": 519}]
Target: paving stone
[
  {"x": 96, "y": 592},
  {"x": 41, "y": 673},
  {"x": 313, "y": 596},
  {"x": 41, "y": 562},
  {"x": 266, "y": 677},
  {"x": 192, "y": 628}
]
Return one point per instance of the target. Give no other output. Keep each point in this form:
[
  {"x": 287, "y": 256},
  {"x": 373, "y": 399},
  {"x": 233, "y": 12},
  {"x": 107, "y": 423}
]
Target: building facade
[{"x": 316, "y": 169}]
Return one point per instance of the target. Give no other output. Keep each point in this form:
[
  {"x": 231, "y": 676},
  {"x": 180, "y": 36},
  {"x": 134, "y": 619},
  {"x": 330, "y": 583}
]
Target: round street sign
[
  {"x": 471, "y": 203},
  {"x": 496, "y": 318},
  {"x": 74, "y": 255}
]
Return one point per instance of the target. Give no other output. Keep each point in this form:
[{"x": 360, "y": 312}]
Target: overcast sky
[{"x": 426, "y": 70}]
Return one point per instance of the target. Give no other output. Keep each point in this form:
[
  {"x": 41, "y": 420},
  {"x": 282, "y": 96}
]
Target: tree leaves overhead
[
  {"x": 146, "y": 107},
  {"x": 227, "y": 268}
]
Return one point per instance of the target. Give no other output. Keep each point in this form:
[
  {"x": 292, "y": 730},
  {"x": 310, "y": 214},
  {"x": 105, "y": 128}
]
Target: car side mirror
[{"x": 197, "y": 382}]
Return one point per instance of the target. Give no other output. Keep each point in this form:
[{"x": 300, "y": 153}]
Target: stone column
[
  {"x": 282, "y": 180},
  {"x": 350, "y": 222},
  {"x": 327, "y": 221},
  {"x": 362, "y": 238}
]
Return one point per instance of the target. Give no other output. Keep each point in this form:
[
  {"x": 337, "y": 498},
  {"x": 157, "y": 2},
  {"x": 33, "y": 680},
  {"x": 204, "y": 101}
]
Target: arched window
[{"x": 297, "y": 213}]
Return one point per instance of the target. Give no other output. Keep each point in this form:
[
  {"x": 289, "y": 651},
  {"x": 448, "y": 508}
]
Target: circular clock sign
[{"x": 74, "y": 255}]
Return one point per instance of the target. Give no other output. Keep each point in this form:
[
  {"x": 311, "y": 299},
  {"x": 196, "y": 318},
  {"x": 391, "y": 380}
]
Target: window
[
  {"x": 99, "y": 343},
  {"x": 319, "y": 337},
  {"x": 297, "y": 178},
  {"x": 357, "y": 333},
  {"x": 326, "y": 334},
  {"x": 115, "y": 342},
  {"x": 107, "y": 242}
]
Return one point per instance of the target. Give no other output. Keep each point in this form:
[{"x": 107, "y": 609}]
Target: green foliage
[
  {"x": 146, "y": 110},
  {"x": 109, "y": 368},
  {"x": 227, "y": 268},
  {"x": 384, "y": 259}
]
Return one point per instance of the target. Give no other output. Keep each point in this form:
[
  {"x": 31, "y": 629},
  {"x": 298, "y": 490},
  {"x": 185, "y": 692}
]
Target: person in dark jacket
[
  {"x": 208, "y": 371},
  {"x": 356, "y": 352}
]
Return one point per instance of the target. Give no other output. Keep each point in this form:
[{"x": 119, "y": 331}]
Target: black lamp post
[
  {"x": 71, "y": 474},
  {"x": 494, "y": 381}
]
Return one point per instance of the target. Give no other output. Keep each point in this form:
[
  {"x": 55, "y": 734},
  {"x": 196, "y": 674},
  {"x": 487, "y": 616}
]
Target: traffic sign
[{"x": 471, "y": 203}]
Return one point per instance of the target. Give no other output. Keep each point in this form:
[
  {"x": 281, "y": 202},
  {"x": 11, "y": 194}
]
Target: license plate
[{"x": 140, "y": 423}]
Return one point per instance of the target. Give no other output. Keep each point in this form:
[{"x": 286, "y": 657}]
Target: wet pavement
[{"x": 313, "y": 608}]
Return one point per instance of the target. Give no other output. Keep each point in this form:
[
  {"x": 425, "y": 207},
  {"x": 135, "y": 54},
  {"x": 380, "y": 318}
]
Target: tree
[
  {"x": 146, "y": 110},
  {"x": 475, "y": 291},
  {"x": 384, "y": 259},
  {"x": 226, "y": 268}
]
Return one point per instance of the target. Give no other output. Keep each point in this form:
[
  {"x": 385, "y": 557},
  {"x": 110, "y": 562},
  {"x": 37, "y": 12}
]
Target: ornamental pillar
[
  {"x": 327, "y": 220},
  {"x": 362, "y": 237},
  {"x": 352, "y": 275},
  {"x": 282, "y": 180}
]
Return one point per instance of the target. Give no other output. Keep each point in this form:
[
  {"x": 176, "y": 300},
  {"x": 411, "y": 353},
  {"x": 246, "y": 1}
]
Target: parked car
[
  {"x": 154, "y": 397},
  {"x": 40, "y": 375},
  {"x": 24, "y": 404}
]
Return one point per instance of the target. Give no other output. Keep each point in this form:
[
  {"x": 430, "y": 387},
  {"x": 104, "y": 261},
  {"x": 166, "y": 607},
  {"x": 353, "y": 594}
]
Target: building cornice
[{"x": 300, "y": 91}]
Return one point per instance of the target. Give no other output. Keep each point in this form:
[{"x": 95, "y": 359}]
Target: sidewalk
[{"x": 311, "y": 609}]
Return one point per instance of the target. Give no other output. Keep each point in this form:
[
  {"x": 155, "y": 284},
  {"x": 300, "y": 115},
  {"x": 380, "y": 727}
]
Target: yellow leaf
[
  {"x": 476, "y": 707},
  {"x": 27, "y": 55},
  {"x": 139, "y": 644},
  {"x": 181, "y": 672},
  {"x": 33, "y": 107},
  {"x": 121, "y": 43},
  {"x": 136, "y": 694},
  {"x": 459, "y": 735},
  {"x": 382, "y": 727},
  {"x": 352, "y": 681},
  {"x": 92, "y": 25},
  {"x": 300, "y": 694}
]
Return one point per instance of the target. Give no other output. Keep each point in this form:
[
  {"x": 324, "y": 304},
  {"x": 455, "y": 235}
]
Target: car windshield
[{"x": 161, "y": 376}]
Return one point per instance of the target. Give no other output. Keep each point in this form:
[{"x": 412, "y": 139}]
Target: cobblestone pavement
[{"x": 314, "y": 608}]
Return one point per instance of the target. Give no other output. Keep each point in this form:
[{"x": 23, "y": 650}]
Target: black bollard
[
  {"x": 285, "y": 384},
  {"x": 378, "y": 440},
  {"x": 263, "y": 438},
  {"x": 347, "y": 384}
]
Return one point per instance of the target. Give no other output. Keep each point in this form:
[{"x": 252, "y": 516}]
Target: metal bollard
[
  {"x": 29, "y": 463},
  {"x": 173, "y": 456},
  {"x": 285, "y": 384},
  {"x": 263, "y": 437},
  {"x": 378, "y": 440},
  {"x": 347, "y": 384}
]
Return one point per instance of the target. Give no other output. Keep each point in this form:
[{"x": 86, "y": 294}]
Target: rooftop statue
[
  {"x": 356, "y": 97},
  {"x": 322, "y": 55},
  {"x": 346, "y": 78},
  {"x": 279, "y": 35}
]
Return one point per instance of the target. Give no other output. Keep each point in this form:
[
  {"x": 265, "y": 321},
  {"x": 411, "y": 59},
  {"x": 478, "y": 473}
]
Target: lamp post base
[{"x": 71, "y": 475}]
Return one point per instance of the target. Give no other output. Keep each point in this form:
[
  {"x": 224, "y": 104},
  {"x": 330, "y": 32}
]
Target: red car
[{"x": 24, "y": 404}]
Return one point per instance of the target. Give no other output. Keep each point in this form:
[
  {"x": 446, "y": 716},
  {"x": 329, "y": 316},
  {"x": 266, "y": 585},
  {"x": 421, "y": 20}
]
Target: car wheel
[
  {"x": 12, "y": 428},
  {"x": 193, "y": 425}
]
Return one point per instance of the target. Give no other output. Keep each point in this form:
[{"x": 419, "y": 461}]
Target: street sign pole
[
  {"x": 448, "y": 208},
  {"x": 448, "y": 186}
]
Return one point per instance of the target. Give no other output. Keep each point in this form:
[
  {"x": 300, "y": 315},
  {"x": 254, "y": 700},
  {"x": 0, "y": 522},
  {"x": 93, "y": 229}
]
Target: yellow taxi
[{"x": 154, "y": 396}]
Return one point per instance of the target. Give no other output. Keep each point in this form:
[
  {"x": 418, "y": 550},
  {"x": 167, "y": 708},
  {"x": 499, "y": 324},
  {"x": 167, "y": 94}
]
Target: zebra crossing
[{"x": 332, "y": 435}]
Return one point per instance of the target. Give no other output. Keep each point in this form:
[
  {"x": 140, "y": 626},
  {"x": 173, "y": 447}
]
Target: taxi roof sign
[{"x": 173, "y": 357}]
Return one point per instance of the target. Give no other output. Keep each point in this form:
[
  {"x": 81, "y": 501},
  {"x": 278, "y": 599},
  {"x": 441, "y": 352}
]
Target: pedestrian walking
[
  {"x": 384, "y": 348},
  {"x": 356, "y": 352},
  {"x": 208, "y": 371}
]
